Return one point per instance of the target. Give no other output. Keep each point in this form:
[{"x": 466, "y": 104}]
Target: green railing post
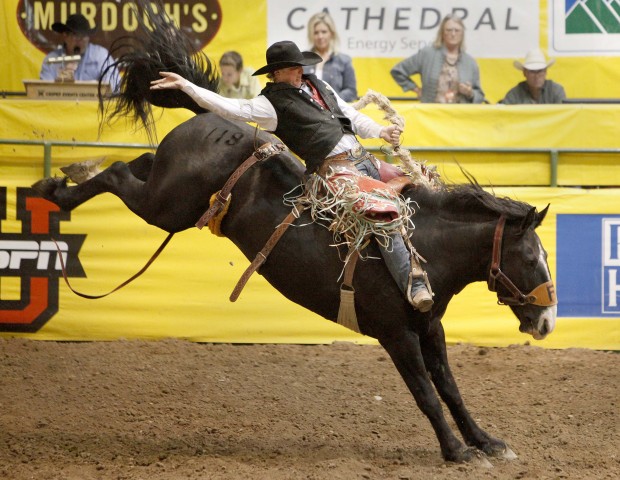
[
  {"x": 554, "y": 167},
  {"x": 47, "y": 159}
]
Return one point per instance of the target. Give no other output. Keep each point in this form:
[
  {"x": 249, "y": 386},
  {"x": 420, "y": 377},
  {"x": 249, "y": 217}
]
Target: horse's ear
[
  {"x": 533, "y": 219},
  {"x": 530, "y": 220},
  {"x": 541, "y": 216}
]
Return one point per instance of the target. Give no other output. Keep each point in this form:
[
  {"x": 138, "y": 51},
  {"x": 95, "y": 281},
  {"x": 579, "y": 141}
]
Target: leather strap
[
  {"x": 261, "y": 154},
  {"x": 261, "y": 256},
  {"x": 496, "y": 258},
  {"x": 126, "y": 282},
  {"x": 349, "y": 269}
]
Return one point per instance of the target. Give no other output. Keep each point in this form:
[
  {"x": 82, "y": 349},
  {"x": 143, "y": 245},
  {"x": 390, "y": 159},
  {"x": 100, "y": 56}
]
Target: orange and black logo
[{"x": 34, "y": 258}]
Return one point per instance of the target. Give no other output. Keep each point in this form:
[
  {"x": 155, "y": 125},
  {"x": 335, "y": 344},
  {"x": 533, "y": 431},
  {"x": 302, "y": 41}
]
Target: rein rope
[{"x": 420, "y": 172}]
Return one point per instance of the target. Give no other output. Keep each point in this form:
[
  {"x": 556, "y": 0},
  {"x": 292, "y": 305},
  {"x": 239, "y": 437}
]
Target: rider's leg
[{"x": 398, "y": 257}]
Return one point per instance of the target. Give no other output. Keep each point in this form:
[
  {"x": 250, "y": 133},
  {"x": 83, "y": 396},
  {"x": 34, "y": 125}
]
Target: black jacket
[{"x": 305, "y": 127}]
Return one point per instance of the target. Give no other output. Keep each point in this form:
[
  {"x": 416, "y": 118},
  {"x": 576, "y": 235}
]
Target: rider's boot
[{"x": 419, "y": 294}]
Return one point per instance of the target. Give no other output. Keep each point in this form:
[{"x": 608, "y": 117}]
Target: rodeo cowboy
[{"x": 321, "y": 129}]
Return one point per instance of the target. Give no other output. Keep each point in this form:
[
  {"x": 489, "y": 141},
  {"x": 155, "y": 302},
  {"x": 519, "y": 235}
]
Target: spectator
[
  {"x": 236, "y": 81},
  {"x": 449, "y": 75},
  {"x": 76, "y": 41},
  {"x": 336, "y": 68},
  {"x": 536, "y": 88}
]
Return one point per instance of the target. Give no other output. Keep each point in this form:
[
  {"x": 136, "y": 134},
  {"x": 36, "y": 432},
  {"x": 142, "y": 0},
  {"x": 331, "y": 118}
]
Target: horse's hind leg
[
  {"x": 436, "y": 361},
  {"x": 141, "y": 167},
  {"x": 117, "y": 179}
]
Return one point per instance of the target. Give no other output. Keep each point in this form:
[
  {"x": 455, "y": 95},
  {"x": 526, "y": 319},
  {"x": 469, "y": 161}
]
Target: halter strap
[{"x": 543, "y": 295}]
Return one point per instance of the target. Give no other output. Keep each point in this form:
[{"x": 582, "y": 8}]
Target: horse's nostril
[{"x": 544, "y": 328}]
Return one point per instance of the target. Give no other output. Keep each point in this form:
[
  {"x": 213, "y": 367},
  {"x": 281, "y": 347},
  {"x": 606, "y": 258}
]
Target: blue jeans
[{"x": 397, "y": 258}]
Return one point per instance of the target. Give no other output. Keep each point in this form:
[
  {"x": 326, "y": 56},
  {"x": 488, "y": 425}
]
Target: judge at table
[{"x": 93, "y": 59}]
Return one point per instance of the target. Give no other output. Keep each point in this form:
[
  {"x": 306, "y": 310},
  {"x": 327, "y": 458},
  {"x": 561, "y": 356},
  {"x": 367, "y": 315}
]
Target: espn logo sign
[
  {"x": 611, "y": 265},
  {"x": 14, "y": 252},
  {"x": 31, "y": 257}
]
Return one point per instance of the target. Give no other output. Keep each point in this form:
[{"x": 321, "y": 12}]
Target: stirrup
[{"x": 422, "y": 300}]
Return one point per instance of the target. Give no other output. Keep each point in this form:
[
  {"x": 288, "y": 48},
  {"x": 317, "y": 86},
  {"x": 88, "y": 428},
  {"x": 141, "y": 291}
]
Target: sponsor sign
[
  {"x": 389, "y": 28},
  {"x": 589, "y": 27},
  {"x": 34, "y": 258},
  {"x": 588, "y": 265},
  {"x": 199, "y": 19}
]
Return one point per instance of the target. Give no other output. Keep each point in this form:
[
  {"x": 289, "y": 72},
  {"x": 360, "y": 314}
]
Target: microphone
[{"x": 65, "y": 58}]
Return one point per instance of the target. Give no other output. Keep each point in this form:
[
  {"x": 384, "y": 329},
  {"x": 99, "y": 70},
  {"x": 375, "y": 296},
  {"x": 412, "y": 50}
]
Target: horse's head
[{"x": 520, "y": 275}]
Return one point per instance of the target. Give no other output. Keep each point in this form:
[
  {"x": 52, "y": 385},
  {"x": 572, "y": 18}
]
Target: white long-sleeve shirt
[{"x": 260, "y": 111}]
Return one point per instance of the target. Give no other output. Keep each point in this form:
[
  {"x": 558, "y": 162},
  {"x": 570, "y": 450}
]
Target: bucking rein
[{"x": 219, "y": 202}]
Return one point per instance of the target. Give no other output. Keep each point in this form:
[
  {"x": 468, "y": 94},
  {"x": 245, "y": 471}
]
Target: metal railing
[
  {"x": 554, "y": 153},
  {"x": 48, "y": 144}
]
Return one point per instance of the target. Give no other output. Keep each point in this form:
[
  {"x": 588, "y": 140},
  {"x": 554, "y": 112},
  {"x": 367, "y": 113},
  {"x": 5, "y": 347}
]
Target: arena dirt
[{"x": 180, "y": 410}]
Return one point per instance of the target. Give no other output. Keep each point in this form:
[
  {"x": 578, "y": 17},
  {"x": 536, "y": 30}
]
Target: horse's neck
[{"x": 467, "y": 248}]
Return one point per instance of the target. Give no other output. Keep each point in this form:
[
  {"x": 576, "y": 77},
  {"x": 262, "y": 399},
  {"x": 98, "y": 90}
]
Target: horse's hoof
[
  {"x": 508, "y": 454},
  {"x": 472, "y": 456},
  {"x": 81, "y": 171},
  {"x": 481, "y": 460},
  {"x": 498, "y": 449}
]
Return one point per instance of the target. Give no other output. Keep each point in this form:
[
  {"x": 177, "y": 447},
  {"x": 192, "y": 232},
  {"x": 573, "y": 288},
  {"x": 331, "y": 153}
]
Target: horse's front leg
[
  {"x": 436, "y": 360},
  {"x": 404, "y": 349}
]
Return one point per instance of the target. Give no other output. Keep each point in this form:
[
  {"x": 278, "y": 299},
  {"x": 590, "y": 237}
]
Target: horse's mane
[
  {"x": 156, "y": 45},
  {"x": 471, "y": 198}
]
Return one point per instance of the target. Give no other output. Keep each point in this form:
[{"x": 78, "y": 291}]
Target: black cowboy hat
[
  {"x": 287, "y": 54},
  {"x": 76, "y": 23}
]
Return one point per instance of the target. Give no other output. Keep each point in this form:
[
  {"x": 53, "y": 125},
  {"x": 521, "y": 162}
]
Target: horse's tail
[{"x": 156, "y": 45}]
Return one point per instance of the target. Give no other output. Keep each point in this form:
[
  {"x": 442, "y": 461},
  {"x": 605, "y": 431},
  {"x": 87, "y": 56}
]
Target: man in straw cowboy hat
[
  {"x": 536, "y": 88},
  {"x": 317, "y": 125},
  {"x": 90, "y": 60}
]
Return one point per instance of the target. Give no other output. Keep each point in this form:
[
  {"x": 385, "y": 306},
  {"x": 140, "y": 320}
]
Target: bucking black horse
[{"x": 465, "y": 233}]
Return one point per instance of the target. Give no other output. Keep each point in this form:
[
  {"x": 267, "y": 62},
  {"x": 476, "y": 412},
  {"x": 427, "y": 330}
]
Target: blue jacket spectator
[{"x": 336, "y": 68}]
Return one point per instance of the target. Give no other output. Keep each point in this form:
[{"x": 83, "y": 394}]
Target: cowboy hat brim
[
  {"x": 76, "y": 23},
  {"x": 309, "y": 58},
  {"x": 533, "y": 65}
]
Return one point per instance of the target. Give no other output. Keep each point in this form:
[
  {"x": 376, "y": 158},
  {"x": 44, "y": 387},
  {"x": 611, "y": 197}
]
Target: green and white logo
[
  {"x": 592, "y": 16},
  {"x": 584, "y": 27}
]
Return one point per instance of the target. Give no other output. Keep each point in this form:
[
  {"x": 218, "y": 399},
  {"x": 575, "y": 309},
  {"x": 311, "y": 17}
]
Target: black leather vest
[{"x": 305, "y": 127}]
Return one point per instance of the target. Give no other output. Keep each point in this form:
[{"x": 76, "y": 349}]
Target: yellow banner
[
  {"x": 185, "y": 292},
  {"x": 546, "y": 127}
]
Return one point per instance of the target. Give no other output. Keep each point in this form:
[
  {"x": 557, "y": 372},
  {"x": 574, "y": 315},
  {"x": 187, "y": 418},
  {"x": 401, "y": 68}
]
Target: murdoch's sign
[{"x": 200, "y": 19}]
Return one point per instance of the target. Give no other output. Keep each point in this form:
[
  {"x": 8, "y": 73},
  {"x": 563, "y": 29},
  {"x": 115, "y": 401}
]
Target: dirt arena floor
[{"x": 177, "y": 410}]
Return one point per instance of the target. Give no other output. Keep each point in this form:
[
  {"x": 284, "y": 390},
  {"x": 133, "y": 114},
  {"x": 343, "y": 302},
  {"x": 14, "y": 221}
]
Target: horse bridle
[{"x": 543, "y": 295}]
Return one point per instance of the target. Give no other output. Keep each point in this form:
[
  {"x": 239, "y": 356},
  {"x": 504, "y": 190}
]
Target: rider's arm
[
  {"x": 363, "y": 125},
  {"x": 366, "y": 127},
  {"x": 258, "y": 110}
]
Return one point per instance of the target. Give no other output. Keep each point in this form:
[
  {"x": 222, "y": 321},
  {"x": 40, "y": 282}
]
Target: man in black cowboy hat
[
  {"x": 317, "y": 125},
  {"x": 93, "y": 59}
]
